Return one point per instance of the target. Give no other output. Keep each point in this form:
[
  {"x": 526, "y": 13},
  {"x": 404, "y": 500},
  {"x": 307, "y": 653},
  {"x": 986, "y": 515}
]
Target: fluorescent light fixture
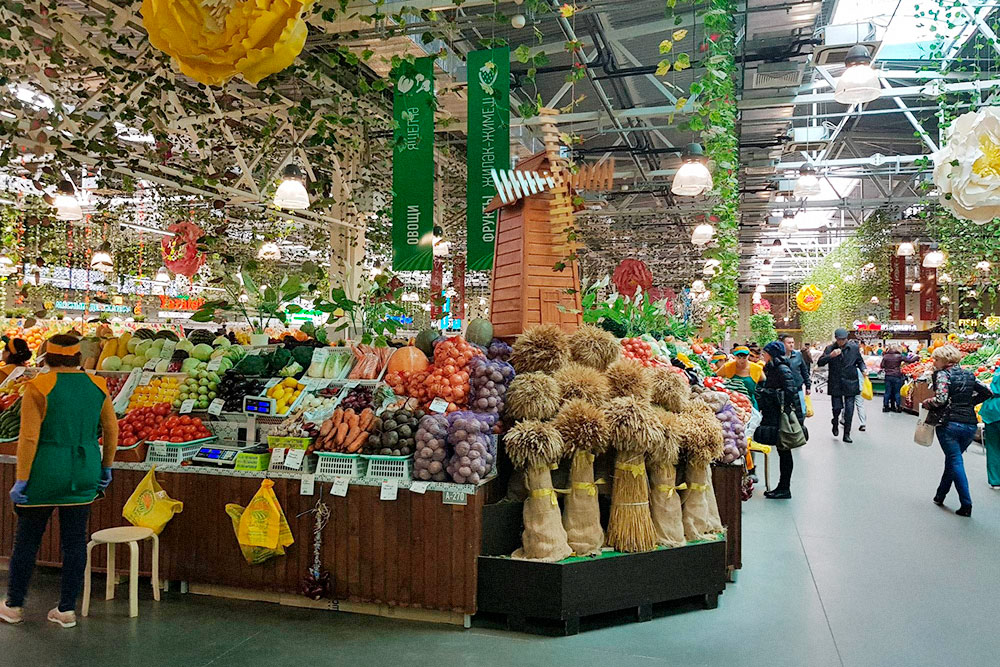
[
  {"x": 788, "y": 224},
  {"x": 291, "y": 193},
  {"x": 693, "y": 178}
]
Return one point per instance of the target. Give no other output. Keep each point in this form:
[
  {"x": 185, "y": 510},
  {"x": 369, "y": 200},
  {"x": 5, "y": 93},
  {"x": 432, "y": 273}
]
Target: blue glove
[
  {"x": 105, "y": 479},
  {"x": 17, "y": 494}
]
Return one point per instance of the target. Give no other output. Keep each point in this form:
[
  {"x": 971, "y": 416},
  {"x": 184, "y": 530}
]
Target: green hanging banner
[
  {"x": 413, "y": 166},
  {"x": 488, "y": 148}
]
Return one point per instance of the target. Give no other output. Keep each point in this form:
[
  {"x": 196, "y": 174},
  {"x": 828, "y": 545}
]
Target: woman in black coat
[{"x": 778, "y": 392}]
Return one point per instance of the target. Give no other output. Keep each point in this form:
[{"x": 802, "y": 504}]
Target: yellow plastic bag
[
  {"x": 253, "y": 555},
  {"x": 866, "y": 389},
  {"x": 905, "y": 390},
  {"x": 263, "y": 523},
  {"x": 809, "y": 406},
  {"x": 149, "y": 506}
]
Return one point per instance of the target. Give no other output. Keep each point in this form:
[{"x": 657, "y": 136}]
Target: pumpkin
[{"x": 407, "y": 359}]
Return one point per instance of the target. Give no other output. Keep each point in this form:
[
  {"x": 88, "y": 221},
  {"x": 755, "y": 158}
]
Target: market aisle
[{"x": 858, "y": 569}]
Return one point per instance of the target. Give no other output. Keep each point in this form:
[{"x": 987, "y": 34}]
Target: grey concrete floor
[{"x": 859, "y": 569}]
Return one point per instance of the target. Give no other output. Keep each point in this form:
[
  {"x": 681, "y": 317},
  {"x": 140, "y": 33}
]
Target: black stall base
[{"x": 552, "y": 598}]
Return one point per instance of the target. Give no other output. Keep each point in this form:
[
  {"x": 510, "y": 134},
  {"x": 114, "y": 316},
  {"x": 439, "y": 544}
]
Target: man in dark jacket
[
  {"x": 892, "y": 363},
  {"x": 800, "y": 369},
  {"x": 844, "y": 359}
]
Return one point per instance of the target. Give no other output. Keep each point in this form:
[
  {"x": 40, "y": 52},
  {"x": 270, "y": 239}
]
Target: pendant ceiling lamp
[
  {"x": 917, "y": 287},
  {"x": 776, "y": 248},
  {"x": 756, "y": 298},
  {"x": 807, "y": 184},
  {"x": 767, "y": 266},
  {"x": 788, "y": 224},
  {"x": 702, "y": 234},
  {"x": 760, "y": 289},
  {"x": 875, "y": 299},
  {"x": 859, "y": 83},
  {"x": 291, "y": 193},
  {"x": 909, "y": 317},
  {"x": 162, "y": 276},
  {"x": 66, "y": 204},
  {"x": 693, "y": 178},
  {"x": 101, "y": 260},
  {"x": 905, "y": 249},
  {"x": 934, "y": 259},
  {"x": 269, "y": 251}
]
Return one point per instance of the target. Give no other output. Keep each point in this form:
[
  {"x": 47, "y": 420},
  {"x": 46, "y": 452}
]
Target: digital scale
[
  {"x": 259, "y": 405},
  {"x": 224, "y": 456}
]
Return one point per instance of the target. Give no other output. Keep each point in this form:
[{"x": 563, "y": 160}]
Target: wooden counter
[{"x": 414, "y": 552}]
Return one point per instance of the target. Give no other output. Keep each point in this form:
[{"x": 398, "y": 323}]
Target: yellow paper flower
[
  {"x": 809, "y": 298},
  {"x": 214, "y": 40}
]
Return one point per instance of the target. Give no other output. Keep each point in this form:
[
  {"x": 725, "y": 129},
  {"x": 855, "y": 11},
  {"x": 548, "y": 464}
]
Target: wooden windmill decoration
[{"x": 536, "y": 213}]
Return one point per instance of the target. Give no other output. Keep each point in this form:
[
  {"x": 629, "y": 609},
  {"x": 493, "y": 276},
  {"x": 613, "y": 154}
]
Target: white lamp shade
[
  {"x": 945, "y": 299},
  {"x": 776, "y": 249},
  {"x": 874, "y": 299},
  {"x": 756, "y": 297},
  {"x": 788, "y": 226},
  {"x": 983, "y": 265},
  {"x": 759, "y": 289},
  {"x": 269, "y": 251},
  {"x": 101, "y": 261},
  {"x": 691, "y": 180},
  {"x": 162, "y": 276},
  {"x": 292, "y": 195},
  {"x": 905, "y": 249},
  {"x": 909, "y": 318},
  {"x": 857, "y": 85},
  {"x": 934, "y": 259},
  {"x": 67, "y": 208},
  {"x": 702, "y": 234},
  {"x": 806, "y": 186},
  {"x": 917, "y": 287}
]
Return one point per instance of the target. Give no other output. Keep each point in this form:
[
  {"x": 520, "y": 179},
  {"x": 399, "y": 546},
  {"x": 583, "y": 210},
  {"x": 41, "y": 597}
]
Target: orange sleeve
[
  {"x": 109, "y": 431},
  {"x": 33, "y": 406},
  {"x": 726, "y": 371}
]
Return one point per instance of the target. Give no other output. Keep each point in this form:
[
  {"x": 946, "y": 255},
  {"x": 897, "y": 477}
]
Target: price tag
[
  {"x": 160, "y": 448},
  {"x": 390, "y": 488},
  {"x": 278, "y": 455},
  {"x": 253, "y": 351},
  {"x": 320, "y": 354},
  {"x": 340, "y": 486},
  {"x": 454, "y": 497},
  {"x": 307, "y": 485},
  {"x": 315, "y": 384},
  {"x": 215, "y": 407},
  {"x": 272, "y": 382},
  {"x": 150, "y": 365},
  {"x": 419, "y": 487},
  {"x": 146, "y": 377},
  {"x": 214, "y": 364},
  {"x": 294, "y": 458},
  {"x": 439, "y": 405},
  {"x": 187, "y": 406},
  {"x": 168, "y": 347}
]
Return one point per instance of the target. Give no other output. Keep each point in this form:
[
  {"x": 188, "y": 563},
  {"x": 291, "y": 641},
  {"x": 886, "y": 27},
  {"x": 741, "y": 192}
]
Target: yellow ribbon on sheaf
[
  {"x": 553, "y": 466},
  {"x": 669, "y": 490},
  {"x": 589, "y": 487},
  {"x": 634, "y": 468},
  {"x": 586, "y": 455},
  {"x": 698, "y": 487},
  {"x": 541, "y": 493}
]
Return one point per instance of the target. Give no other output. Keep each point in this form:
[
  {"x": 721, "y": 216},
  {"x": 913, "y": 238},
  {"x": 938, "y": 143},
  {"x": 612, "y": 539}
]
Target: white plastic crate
[
  {"x": 340, "y": 465},
  {"x": 176, "y": 452},
  {"x": 389, "y": 467},
  {"x": 308, "y": 465}
]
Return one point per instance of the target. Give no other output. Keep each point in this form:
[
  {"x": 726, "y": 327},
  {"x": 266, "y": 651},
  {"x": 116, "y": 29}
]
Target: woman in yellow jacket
[
  {"x": 16, "y": 354},
  {"x": 59, "y": 464}
]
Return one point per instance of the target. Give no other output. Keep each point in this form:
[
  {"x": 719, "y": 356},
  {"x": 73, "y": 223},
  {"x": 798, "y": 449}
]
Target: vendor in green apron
[
  {"x": 743, "y": 372},
  {"x": 59, "y": 464}
]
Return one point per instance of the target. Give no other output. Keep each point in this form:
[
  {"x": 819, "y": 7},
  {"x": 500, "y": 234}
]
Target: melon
[
  {"x": 189, "y": 365},
  {"x": 129, "y": 360},
  {"x": 480, "y": 332},
  {"x": 111, "y": 363},
  {"x": 143, "y": 347},
  {"x": 425, "y": 341},
  {"x": 184, "y": 345},
  {"x": 145, "y": 334},
  {"x": 202, "y": 352},
  {"x": 166, "y": 334},
  {"x": 132, "y": 343},
  {"x": 222, "y": 342},
  {"x": 201, "y": 336}
]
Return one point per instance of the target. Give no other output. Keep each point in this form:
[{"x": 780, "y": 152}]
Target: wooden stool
[{"x": 131, "y": 535}]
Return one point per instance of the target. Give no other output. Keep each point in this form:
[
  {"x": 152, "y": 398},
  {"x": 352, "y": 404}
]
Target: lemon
[{"x": 289, "y": 382}]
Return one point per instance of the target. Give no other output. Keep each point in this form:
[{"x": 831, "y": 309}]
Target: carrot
[
  {"x": 352, "y": 419},
  {"x": 356, "y": 444},
  {"x": 342, "y": 429},
  {"x": 325, "y": 429},
  {"x": 338, "y": 416},
  {"x": 366, "y": 419}
]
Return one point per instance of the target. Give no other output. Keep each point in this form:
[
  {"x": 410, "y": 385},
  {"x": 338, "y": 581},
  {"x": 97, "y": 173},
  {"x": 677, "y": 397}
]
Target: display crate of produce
[
  {"x": 174, "y": 453},
  {"x": 389, "y": 467},
  {"x": 136, "y": 453},
  {"x": 308, "y": 465},
  {"x": 341, "y": 465},
  {"x": 253, "y": 462},
  {"x": 287, "y": 442}
]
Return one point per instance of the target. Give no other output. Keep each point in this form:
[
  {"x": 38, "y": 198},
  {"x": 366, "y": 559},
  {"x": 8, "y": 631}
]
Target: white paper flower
[{"x": 968, "y": 166}]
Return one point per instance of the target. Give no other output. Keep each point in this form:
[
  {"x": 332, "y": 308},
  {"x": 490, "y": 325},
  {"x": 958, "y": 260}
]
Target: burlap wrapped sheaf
[
  {"x": 581, "y": 512},
  {"x": 544, "y": 537},
  {"x": 665, "y": 504},
  {"x": 701, "y": 515}
]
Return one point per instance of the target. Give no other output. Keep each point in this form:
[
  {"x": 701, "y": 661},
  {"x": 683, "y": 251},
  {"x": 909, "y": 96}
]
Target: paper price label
[
  {"x": 187, "y": 406},
  {"x": 315, "y": 384},
  {"x": 294, "y": 458},
  {"x": 146, "y": 377},
  {"x": 454, "y": 497},
  {"x": 390, "y": 489},
  {"x": 307, "y": 485},
  {"x": 320, "y": 354},
  {"x": 340, "y": 486},
  {"x": 215, "y": 407},
  {"x": 150, "y": 365},
  {"x": 439, "y": 405},
  {"x": 160, "y": 448},
  {"x": 419, "y": 487},
  {"x": 168, "y": 347},
  {"x": 278, "y": 455},
  {"x": 214, "y": 364}
]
